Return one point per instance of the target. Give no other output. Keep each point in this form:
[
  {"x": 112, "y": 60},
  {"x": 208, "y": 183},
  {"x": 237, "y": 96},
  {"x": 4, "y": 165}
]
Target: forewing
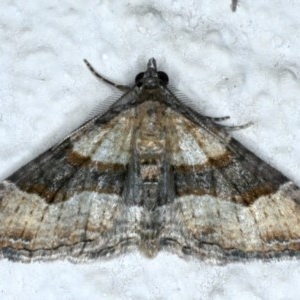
[
  {"x": 229, "y": 204},
  {"x": 68, "y": 201}
]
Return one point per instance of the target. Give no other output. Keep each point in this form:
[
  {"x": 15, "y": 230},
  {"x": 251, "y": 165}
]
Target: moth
[{"x": 150, "y": 173}]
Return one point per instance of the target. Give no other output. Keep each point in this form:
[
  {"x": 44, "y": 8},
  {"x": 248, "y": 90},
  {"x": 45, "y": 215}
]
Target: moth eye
[
  {"x": 138, "y": 79},
  {"x": 164, "y": 78}
]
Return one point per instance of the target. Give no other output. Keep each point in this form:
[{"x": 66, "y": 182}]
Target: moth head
[{"x": 151, "y": 78}]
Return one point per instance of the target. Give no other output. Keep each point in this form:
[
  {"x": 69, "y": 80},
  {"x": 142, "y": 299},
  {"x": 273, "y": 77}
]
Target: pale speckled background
[{"x": 243, "y": 64}]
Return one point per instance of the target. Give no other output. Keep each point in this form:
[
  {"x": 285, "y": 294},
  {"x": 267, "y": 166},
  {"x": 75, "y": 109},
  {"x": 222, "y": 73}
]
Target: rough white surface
[{"x": 243, "y": 64}]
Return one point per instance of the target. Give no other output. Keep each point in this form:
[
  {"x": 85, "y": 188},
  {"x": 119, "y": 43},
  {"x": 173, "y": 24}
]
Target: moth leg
[
  {"x": 120, "y": 87},
  {"x": 238, "y": 127},
  {"x": 218, "y": 119}
]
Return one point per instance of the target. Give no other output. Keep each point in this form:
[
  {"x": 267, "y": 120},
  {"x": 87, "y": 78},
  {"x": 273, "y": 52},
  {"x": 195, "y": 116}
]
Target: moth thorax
[{"x": 150, "y": 146}]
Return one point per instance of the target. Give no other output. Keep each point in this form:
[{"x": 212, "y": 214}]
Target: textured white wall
[{"x": 243, "y": 64}]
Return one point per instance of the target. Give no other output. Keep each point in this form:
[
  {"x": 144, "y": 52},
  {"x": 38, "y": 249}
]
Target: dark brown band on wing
[
  {"x": 59, "y": 179},
  {"x": 240, "y": 177},
  {"x": 216, "y": 162},
  {"x": 76, "y": 159}
]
